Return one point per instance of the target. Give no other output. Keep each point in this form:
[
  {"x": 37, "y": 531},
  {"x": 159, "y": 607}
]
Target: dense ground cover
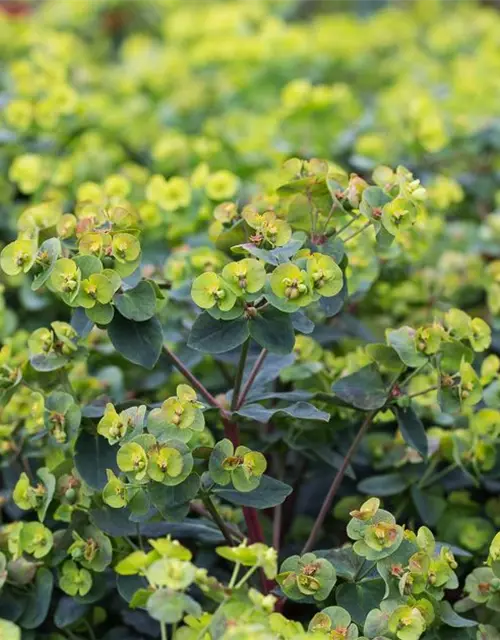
[{"x": 249, "y": 313}]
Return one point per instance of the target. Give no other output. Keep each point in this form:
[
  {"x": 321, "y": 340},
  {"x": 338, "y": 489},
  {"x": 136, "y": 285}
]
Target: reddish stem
[
  {"x": 251, "y": 378},
  {"x": 193, "y": 379},
  {"x": 231, "y": 431},
  {"x": 337, "y": 481}
]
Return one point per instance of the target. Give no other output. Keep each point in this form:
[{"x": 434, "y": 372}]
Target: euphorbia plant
[
  {"x": 153, "y": 462},
  {"x": 261, "y": 402}
]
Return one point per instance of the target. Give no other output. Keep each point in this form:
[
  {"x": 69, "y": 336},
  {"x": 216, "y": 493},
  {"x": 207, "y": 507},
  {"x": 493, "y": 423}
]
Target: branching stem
[
  {"x": 251, "y": 378},
  {"x": 337, "y": 481},
  {"x": 239, "y": 374},
  {"x": 212, "y": 510},
  {"x": 192, "y": 379},
  {"x": 356, "y": 233}
]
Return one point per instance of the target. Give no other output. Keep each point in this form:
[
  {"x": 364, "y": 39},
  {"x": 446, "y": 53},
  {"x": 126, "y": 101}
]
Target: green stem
[
  {"x": 439, "y": 475},
  {"x": 139, "y": 537},
  {"x": 163, "y": 627},
  {"x": 212, "y": 510},
  {"x": 131, "y": 543},
  {"x": 428, "y": 472},
  {"x": 329, "y": 216},
  {"x": 234, "y": 577},
  {"x": 347, "y": 225},
  {"x": 337, "y": 481},
  {"x": 356, "y": 233},
  {"x": 239, "y": 374},
  {"x": 413, "y": 373},
  {"x": 421, "y": 393},
  {"x": 247, "y": 575},
  {"x": 89, "y": 629}
]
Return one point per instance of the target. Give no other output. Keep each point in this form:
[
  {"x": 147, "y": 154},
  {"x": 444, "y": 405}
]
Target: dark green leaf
[
  {"x": 412, "y": 429},
  {"x": 360, "y": 598},
  {"x": 388, "y": 484},
  {"x": 364, "y": 389},
  {"x": 273, "y": 330},
  {"x": 302, "y": 323},
  {"x": 333, "y": 247},
  {"x": 128, "y": 585},
  {"x": 93, "y": 455},
  {"x": 300, "y": 410},
  {"x": 403, "y": 341},
  {"x": 48, "y": 362},
  {"x": 68, "y": 611},
  {"x": 333, "y": 304},
  {"x": 81, "y": 323},
  {"x": 39, "y": 600},
  {"x": 88, "y": 265},
  {"x": 269, "y": 493},
  {"x": 116, "y": 522},
  {"x": 452, "y": 619},
  {"x": 347, "y": 564},
  {"x": 101, "y": 313},
  {"x": 217, "y": 336},
  {"x": 430, "y": 508},
  {"x": 167, "y": 499},
  {"x": 137, "y": 304},
  {"x": 138, "y": 342}
]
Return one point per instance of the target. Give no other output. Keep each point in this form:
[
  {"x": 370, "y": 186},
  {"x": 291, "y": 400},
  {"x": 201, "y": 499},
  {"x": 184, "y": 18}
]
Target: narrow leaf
[{"x": 412, "y": 429}]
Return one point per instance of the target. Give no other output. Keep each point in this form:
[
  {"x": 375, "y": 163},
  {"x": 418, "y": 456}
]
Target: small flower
[
  {"x": 325, "y": 275},
  {"x": 254, "y": 555},
  {"x": 170, "y": 195},
  {"x": 172, "y": 573},
  {"x": 36, "y": 539},
  {"x": 381, "y": 535},
  {"x": 336, "y": 622},
  {"x": 246, "y": 276},
  {"x": 179, "y": 416},
  {"x": 125, "y": 247},
  {"x": 117, "y": 186},
  {"x": 93, "y": 243},
  {"x": 480, "y": 335},
  {"x": 221, "y": 185},
  {"x": 210, "y": 290},
  {"x": 132, "y": 459},
  {"x": 112, "y": 425},
  {"x": 165, "y": 463},
  {"x": 74, "y": 581},
  {"x": 27, "y": 172},
  {"x": 267, "y": 226},
  {"x": 307, "y": 576},
  {"x": 18, "y": 257},
  {"x": 407, "y": 623},
  {"x": 367, "y": 510},
  {"x": 114, "y": 493},
  {"x": 243, "y": 467},
  {"x": 171, "y": 548},
  {"x": 66, "y": 277},
  {"x": 292, "y": 284},
  {"x": 94, "y": 289}
]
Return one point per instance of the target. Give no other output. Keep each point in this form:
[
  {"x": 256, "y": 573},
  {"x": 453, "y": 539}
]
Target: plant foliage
[{"x": 249, "y": 314}]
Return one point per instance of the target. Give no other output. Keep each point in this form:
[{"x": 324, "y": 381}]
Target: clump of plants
[{"x": 258, "y": 403}]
